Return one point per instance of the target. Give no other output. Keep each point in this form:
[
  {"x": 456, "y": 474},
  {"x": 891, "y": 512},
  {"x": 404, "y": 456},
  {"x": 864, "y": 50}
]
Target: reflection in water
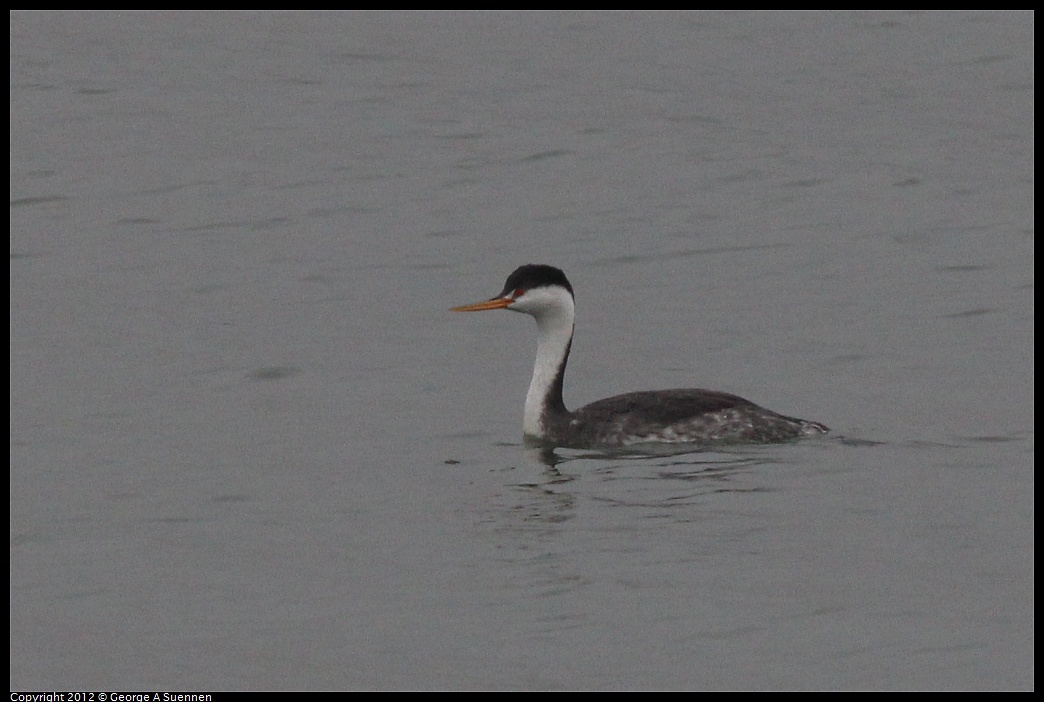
[
  {"x": 562, "y": 511},
  {"x": 679, "y": 481}
]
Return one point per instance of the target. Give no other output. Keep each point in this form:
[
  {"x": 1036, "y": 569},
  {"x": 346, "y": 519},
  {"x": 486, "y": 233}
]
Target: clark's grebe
[{"x": 655, "y": 416}]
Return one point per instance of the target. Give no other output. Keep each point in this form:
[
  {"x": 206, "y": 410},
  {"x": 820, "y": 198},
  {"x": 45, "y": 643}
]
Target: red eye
[{"x": 518, "y": 293}]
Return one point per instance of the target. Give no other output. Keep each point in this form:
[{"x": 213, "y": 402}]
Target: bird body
[{"x": 692, "y": 416}]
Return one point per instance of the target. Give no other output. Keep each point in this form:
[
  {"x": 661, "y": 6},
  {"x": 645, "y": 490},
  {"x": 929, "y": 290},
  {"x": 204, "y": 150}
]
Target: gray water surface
[{"x": 252, "y": 449}]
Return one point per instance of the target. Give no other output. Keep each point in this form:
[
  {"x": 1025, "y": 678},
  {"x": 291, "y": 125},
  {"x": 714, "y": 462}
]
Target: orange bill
[{"x": 496, "y": 303}]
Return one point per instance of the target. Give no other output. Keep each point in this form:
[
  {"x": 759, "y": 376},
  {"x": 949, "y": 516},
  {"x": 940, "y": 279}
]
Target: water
[{"x": 251, "y": 448}]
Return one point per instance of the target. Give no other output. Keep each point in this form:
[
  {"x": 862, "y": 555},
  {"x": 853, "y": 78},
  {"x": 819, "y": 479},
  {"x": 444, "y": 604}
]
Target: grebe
[{"x": 655, "y": 416}]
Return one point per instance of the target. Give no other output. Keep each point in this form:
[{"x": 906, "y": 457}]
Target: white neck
[{"x": 555, "y": 330}]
